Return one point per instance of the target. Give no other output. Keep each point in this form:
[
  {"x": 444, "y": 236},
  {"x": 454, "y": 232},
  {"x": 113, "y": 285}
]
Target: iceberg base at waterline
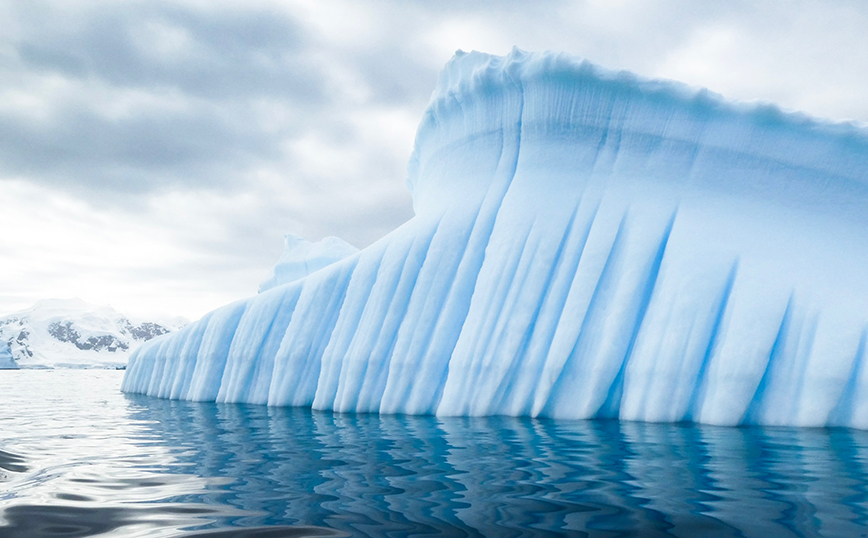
[
  {"x": 7, "y": 362},
  {"x": 585, "y": 244}
]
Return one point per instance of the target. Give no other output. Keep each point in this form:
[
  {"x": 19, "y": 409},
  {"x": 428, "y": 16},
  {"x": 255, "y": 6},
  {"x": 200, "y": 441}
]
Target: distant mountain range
[{"x": 70, "y": 333}]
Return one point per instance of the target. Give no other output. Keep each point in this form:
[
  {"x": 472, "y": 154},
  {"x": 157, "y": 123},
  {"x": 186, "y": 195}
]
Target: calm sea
[{"x": 78, "y": 458}]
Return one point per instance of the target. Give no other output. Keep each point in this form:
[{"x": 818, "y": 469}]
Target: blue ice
[
  {"x": 7, "y": 361},
  {"x": 586, "y": 243}
]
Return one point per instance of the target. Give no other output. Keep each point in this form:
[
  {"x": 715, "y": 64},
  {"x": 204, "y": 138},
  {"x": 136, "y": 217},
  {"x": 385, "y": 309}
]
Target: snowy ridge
[
  {"x": 70, "y": 333},
  {"x": 586, "y": 244}
]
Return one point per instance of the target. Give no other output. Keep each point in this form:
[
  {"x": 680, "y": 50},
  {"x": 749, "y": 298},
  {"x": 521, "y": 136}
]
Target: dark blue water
[{"x": 77, "y": 458}]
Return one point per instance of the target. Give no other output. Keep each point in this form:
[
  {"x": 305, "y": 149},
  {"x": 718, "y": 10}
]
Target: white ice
[
  {"x": 302, "y": 257},
  {"x": 585, "y": 243}
]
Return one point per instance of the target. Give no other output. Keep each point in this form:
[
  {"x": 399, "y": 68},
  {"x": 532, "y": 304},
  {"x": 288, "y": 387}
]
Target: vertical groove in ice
[
  {"x": 700, "y": 383},
  {"x": 777, "y": 355},
  {"x": 845, "y": 411},
  {"x": 576, "y": 391},
  {"x": 298, "y": 359},
  {"x": 211, "y": 359},
  {"x": 511, "y": 355},
  {"x": 611, "y": 407}
]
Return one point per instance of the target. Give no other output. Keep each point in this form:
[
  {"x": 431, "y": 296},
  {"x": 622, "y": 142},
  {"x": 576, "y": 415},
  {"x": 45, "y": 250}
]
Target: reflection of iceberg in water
[
  {"x": 387, "y": 475},
  {"x": 585, "y": 244}
]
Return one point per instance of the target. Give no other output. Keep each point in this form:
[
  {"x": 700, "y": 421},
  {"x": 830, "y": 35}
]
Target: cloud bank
[{"x": 152, "y": 154}]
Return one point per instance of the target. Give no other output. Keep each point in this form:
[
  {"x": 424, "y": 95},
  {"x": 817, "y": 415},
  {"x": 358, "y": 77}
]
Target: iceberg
[
  {"x": 7, "y": 361},
  {"x": 586, "y": 243},
  {"x": 302, "y": 257}
]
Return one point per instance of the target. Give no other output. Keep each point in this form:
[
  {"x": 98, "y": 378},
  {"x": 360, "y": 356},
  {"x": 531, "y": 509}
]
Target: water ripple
[{"x": 80, "y": 459}]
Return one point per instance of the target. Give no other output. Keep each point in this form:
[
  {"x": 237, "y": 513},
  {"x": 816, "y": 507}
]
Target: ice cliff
[
  {"x": 7, "y": 362},
  {"x": 585, "y": 243}
]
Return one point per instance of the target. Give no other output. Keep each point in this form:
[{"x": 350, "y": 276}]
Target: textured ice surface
[
  {"x": 586, "y": 244},
  {"x": 302, "y": 257},
  {"x": 7, "y": 362}
]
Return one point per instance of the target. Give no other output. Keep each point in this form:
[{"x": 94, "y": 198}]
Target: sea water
[{"x": 79, "y": 458}]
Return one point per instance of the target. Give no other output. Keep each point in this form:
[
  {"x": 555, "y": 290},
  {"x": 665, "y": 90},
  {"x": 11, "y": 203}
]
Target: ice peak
[
  {"x": 302, "y": 257},
  {"x": 542, "y": 96}
]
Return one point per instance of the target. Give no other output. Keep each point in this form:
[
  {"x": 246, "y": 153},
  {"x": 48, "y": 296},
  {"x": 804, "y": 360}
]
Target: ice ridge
[
  {"x": 302, "y": 257},
  {"x": 585, "y": 243}
]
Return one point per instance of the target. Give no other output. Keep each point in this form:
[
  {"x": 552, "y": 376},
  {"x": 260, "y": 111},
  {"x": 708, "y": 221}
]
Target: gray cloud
[
  {"x": 194, "y": 81},
  {"x": 78, "y": 148},
  {"x": 205, "y": 131},
  {"x": 209, "y": 54}
]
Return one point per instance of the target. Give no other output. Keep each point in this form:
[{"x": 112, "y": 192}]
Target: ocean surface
[{"x": 78, "y": 458}]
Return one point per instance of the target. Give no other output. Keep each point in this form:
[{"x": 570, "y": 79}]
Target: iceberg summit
[{"x": 586, "y": 243}]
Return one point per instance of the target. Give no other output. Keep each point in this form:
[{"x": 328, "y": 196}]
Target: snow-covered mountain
[{"x": 70, "y": 333}]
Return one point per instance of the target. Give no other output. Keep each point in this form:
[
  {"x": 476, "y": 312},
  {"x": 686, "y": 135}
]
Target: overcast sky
[{"x": 153, "y": 154}]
